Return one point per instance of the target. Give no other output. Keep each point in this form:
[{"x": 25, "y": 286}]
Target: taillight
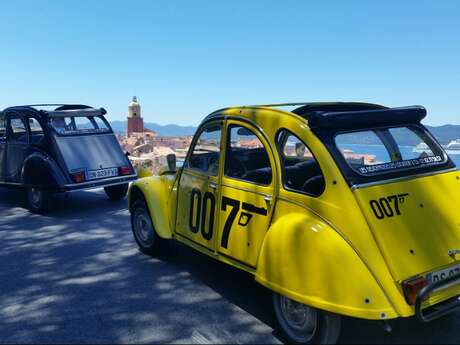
[
  {"x": 78, "y": 177},
  {"x": 124, "y": 170},
  {"x": 413, "y": 287}
]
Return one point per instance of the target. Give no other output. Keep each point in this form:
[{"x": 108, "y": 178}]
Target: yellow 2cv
[{"x": 338, "y": 208}]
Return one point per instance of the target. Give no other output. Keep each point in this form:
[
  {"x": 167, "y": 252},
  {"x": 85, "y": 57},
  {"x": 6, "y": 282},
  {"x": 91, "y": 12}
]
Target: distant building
[{"x": 135, "y": 120}]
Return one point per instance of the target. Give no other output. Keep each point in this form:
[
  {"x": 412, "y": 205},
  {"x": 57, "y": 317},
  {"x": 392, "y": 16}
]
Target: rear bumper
[
  {"x": 113, "y": 181},
  {"x": 440, "y": 309}
]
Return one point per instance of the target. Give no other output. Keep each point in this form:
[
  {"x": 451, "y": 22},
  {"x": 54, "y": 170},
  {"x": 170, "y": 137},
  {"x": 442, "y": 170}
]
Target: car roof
[
  {"x": 332, "y": 114},
  {"x": 53, "y": 110}
]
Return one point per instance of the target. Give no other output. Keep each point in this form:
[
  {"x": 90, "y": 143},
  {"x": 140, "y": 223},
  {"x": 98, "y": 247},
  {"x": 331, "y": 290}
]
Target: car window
[
  {"x": 246, "y": 158},
  {"x": 101, "y": 125},
  {"x": 389, "y": 149},
  {"x": 35, "y": 127},
  {"x": 206, "y": 152},
  {"x": 2, "y": 128},
  {"x": 36, "y": 131},
  {"x": 74, "y": 125},
  {"x": 370, "y": 152},
  {"x": 301, "y": 172},
  {"x": 18, "y": 130}
]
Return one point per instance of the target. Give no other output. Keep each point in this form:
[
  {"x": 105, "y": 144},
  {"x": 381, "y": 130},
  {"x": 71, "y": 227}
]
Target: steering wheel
[{"x": 236, "y": 167}]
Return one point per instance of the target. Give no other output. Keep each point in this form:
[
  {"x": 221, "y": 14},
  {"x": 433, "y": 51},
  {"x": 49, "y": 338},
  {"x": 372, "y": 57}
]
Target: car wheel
[
  {"x": 117, "y": 192},
  {"x": 144, "y": 232},
  {"x": 301, "y": 324},
  {"x": 39, "y": 201}
]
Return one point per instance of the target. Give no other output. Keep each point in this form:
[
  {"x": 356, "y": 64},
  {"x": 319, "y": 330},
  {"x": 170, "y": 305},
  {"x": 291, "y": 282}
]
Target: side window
[
  {"x": 2, "y": 128},
  {"x": 18, "y": 130},
  {"x": 246, "y": 158},
  {"x": 35, "y": 127},
  {"x": 206, "y": 152},
  {"x": 36, "y": 131},
  {"x": 301, "y": 172}
]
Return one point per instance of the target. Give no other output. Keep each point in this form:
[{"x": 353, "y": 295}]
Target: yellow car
[{"x": 339, "y": 208}]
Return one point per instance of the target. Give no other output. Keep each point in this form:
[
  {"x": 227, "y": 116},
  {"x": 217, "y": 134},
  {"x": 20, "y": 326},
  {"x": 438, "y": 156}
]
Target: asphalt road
[{"x": 76, "y": 276}]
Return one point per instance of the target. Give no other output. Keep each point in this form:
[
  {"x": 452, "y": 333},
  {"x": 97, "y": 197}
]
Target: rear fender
[
  {"x": 40, "y": 170},
  {"x": 156, "y": 191},
  {"x": 308, "y": 261}
]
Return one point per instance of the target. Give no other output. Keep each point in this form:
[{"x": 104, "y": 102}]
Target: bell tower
[{"x": 135, "y": 121}]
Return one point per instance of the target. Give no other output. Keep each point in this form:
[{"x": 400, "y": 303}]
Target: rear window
[
  {"x": 74, "y": 125},
  {"x": 383, "y": 150}
]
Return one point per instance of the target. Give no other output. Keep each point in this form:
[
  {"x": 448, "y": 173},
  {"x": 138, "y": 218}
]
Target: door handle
[
  {"x": 213, "y": 186},
  {"x": 268, "y": 198}
]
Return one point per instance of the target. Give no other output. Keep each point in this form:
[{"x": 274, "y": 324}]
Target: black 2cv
[{"x": 47, "y": 149}]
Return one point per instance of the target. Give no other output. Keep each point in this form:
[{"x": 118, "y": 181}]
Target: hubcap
[
  {"x": 143, "y": 228},
  {"x": 301, "y": 320}
]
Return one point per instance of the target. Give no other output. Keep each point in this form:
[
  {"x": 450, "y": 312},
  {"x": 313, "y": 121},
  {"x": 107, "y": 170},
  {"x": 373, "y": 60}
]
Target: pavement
[{"x": 76, "y": 276}]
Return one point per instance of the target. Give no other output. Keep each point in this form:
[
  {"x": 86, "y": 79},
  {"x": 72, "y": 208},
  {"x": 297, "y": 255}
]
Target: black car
[{"x": 48, "y": 149}]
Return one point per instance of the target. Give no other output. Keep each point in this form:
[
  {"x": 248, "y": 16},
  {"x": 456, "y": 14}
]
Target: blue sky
[{"x": 184, "y": 59}]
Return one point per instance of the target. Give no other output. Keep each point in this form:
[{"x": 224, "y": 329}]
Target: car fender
[
  {"x": 40, "y": 170},
  {"x": 305, "y": 259},
  {"x": 156, "y": 191}
]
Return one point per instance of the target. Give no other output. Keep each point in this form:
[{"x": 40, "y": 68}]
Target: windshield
[
  {"x": 75, "y": 125},
  {"x": 385, "y": 150}
]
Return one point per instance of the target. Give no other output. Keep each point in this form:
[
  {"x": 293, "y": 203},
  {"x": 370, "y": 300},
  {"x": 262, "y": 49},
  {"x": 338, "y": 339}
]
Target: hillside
[
  {"x": 444, "y": 133},
  {"x": 163, "y": 130}
]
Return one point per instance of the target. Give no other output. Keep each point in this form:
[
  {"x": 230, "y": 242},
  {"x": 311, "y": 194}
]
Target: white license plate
[
  {"x": 101, "y": 173},
  {"x": 447, "y": 273}
]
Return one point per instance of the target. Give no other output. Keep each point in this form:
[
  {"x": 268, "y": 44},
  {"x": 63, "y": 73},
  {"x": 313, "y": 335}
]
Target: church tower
[{"x": 135, "y": 121}]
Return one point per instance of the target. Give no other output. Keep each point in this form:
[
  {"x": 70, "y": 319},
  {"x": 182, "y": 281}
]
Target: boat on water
[
  {"x": 421, "y": 148},
  {"x": 453, "y": 148}
]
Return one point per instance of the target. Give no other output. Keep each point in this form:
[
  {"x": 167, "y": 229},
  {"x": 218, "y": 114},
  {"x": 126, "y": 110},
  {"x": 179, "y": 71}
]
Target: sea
[{"x": 381, "y": 154}]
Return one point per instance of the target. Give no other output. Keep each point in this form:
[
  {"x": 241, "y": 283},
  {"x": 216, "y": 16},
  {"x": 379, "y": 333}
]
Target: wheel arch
[
  {"x": 155, "y": 194},
  {"x": 305, "y": 259},
  {"x": 40, "y": 170}
]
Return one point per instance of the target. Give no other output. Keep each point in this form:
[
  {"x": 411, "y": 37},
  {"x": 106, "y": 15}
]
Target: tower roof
[{"x": 134, "y": 102}]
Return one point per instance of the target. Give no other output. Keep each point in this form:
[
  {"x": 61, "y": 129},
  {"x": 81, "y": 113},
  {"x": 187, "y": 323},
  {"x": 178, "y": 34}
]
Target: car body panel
[
  {"x": 319, "y": 268},
  {"x": 196, "y": 202},
  {"x": 418, "y": 223},
  {"x": 41, "y": 171},
  {"x": 91, "y": 152},
  {"x": 316, "y": 250},
  {"x": 160, "y": 197}
]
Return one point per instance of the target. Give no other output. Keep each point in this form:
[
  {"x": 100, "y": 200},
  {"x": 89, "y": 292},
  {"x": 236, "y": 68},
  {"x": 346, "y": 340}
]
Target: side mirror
[{"x": 172, "y": 162}]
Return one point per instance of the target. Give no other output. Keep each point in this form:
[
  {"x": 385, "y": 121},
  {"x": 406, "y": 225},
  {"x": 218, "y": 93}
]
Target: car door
[
  {"x": 16, "y": 146},
  {"x": 2, "y": 144},
  {"x": 248, "y": 186},
  {"x": 198, "y": 188}
]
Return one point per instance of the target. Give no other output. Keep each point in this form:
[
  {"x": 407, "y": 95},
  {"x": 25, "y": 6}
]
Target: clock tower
[{"x": 135, "y": 121}]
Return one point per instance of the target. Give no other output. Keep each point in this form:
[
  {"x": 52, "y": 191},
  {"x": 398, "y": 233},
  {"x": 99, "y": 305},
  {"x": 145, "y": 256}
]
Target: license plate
[
  {"x": 447, "y": 273},
  {"x": 101, "y": 173}
]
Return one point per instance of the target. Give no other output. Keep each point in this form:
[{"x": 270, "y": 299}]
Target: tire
[
  {"x": 38, "y": 200},
  {"x": 301, "y": 324},
  {"x": 116, "y": 193},
  {"x": 144, "y": 232}
]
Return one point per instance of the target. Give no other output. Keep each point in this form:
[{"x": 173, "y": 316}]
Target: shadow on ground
[{"x": 76, "y": 276}]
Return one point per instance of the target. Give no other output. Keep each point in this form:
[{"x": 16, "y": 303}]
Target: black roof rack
[
  {"x": 366, "y": 118},
  {"x": 309, "y": 108},
  {"x": 57, "y": 109}
]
